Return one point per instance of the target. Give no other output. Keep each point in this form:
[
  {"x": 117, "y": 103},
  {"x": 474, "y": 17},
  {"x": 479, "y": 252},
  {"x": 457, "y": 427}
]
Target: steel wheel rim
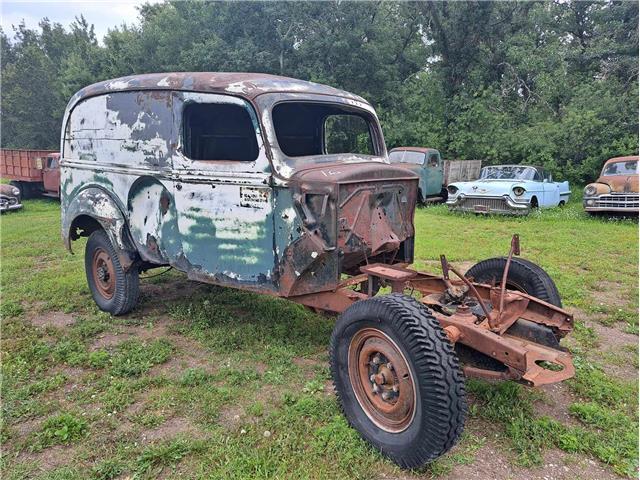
[
  {"x": 104, "y": 276},
  {"x": 382, "y": 380}
]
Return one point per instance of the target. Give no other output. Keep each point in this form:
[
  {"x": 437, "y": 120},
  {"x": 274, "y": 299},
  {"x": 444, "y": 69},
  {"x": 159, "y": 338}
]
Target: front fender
[{"x": 96, "y": 203}]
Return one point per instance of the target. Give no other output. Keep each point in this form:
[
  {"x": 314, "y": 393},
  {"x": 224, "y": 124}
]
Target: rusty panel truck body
[{"x": 283, "y": 187}]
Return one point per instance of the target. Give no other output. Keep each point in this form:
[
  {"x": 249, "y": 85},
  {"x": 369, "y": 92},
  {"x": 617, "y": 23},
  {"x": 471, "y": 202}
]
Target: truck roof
[{"x": 247, "y": 85}]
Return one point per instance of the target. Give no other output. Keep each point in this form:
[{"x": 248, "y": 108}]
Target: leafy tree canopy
[{"x": 549, "y": 83}]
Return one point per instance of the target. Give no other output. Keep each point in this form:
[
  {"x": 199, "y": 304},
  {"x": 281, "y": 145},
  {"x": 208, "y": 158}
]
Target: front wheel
[
  {"x": 398, "y": 379},
  {"x": 113, "y": 289}
]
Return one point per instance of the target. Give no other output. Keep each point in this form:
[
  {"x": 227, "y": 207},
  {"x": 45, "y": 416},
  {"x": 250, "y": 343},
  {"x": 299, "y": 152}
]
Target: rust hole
[{"x": 552, "y": 366}]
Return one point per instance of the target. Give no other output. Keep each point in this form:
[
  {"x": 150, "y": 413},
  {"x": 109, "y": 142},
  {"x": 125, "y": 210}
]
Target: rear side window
[{"x": 216, "y": 131}]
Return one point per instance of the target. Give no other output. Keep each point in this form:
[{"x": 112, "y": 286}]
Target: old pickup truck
[
  {"x": 283, "y": 187},
  {"x": 33, "y": 172},
  {"x": 434, "y": 174}
]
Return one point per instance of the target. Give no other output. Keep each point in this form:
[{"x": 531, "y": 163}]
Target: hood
[
  {"x": 488, "y": 187},
  {"x": 620, "y": 183}
]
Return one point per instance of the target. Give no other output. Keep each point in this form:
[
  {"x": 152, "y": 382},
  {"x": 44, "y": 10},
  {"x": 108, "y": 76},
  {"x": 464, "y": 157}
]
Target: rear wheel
[
  {"x": 114, "y": 290},
  {"x": 398, "y": 379}
]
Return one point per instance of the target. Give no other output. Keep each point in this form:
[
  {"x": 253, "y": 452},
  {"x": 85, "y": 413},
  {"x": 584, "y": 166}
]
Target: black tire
[
  {"x": 125, "y": 284},
  {"x": 440, "y": 407},
  {"x": 534, "y": 202},
  {"x": 524, "y": 276},
  {"x": 25, "y": 190}
]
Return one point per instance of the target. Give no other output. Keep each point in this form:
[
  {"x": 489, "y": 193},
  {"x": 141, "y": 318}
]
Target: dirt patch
[
  {"x": 555, "y": 404},
  {"x": 189, "y": 354},
  {"x": 49, "y": 458},
  {"x": 611, "y": 294},
  {"x": 109, "y": 340},
  {"x": 20, "y": 431},
  {"x": 170, "y": 429},
  {"x": 53, "y": 319},
  {"x": 612, "y": 337},
  {"x": 491, "y": 462},
  {"x": 230, "y": 418}
]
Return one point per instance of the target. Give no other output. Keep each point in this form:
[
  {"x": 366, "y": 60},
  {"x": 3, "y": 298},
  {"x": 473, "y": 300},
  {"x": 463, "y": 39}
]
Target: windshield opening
[
  {"x": 307, "y": 128},
  {"x": 621, "y": 168},
  {"x": 508, "y": 173},
  {"x": 406, "y": 156}
]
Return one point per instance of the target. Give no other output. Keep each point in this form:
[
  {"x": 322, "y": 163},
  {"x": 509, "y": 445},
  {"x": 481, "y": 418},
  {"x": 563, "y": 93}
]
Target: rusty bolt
[{"x": 379, "y": 379}]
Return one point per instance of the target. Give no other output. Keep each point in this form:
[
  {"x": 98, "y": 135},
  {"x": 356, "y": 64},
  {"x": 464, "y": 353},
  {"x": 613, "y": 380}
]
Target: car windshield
[
  {"x": 310, "y": 128},
  {"x": 508, "y": 173},
  {"x": 620, "y": 168},
  {"x": 406, "y": 156}
]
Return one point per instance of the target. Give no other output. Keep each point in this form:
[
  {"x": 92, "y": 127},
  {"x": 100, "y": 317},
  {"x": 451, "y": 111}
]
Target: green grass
[{"x": 188, "y": 386}]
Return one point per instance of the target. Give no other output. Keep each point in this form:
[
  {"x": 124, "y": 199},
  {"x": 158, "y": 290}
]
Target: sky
[{"x": 101, "y": 13}]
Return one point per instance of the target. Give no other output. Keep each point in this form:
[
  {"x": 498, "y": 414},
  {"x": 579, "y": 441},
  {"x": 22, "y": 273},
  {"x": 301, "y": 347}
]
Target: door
[
  {"x": 224, "y": 201},
  {"x": 51, "y": 175},
  {"x": 551, "y": 190},
  {"x": 434, "y": 174}
]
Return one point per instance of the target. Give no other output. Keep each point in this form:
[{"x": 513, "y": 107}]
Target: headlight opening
[{"x": 518, "y": 191}]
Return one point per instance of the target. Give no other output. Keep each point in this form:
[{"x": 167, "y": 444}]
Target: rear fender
[{"x": 92, "y": 205}]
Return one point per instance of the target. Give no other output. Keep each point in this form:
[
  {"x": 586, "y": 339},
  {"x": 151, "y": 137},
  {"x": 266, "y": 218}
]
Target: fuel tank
[{"x": 352, "y": 214}]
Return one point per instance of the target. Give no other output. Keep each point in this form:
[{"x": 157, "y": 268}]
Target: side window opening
[
  {"x": 307, "y": 128},
  {"x": 218, "y": 131},
  {"x": 434, "y": 160}
]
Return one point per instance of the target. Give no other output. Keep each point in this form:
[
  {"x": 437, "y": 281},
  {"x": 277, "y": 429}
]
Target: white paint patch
[
  {"x": 237, "y": 87},
  {"x": 314, "y": 254},
  {"x": 117, "y": 85},
  {"x": 164, "y": 82}
]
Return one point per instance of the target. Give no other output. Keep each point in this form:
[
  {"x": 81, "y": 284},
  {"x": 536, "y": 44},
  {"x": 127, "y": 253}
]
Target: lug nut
[
  {"x": 372, "y": 378},
  {"x": 390, "y": 366},
  {"x": 376, "y": 360},
  {"x": 386, "y": 396},
  {"x": 395, "y": 388},
  {"x": 376, "y": 389}
]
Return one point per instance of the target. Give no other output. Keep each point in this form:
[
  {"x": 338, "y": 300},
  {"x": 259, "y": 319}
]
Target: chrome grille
[
  {"x": 617, "y": 201},
  {"x": 484, "y": 205}
]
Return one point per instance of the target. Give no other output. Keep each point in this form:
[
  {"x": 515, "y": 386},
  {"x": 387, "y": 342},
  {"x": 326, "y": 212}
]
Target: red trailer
[{"x": 34, "y": 172}]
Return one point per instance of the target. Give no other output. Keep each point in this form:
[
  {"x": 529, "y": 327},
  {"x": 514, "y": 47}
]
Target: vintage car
[
  {"x": 508, "y": 189},
  {"x": 427, "y": 164},
  {"x": 283, "y": 187},
  {"x": 9, "y": 198},
  {"x": 616, "y": 190}
]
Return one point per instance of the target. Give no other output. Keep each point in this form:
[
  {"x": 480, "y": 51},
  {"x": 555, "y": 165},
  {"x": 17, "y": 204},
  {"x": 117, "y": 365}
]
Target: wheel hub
[
  {"x": 381, "y": 379},
  {"x": 103, "y": 273}
]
